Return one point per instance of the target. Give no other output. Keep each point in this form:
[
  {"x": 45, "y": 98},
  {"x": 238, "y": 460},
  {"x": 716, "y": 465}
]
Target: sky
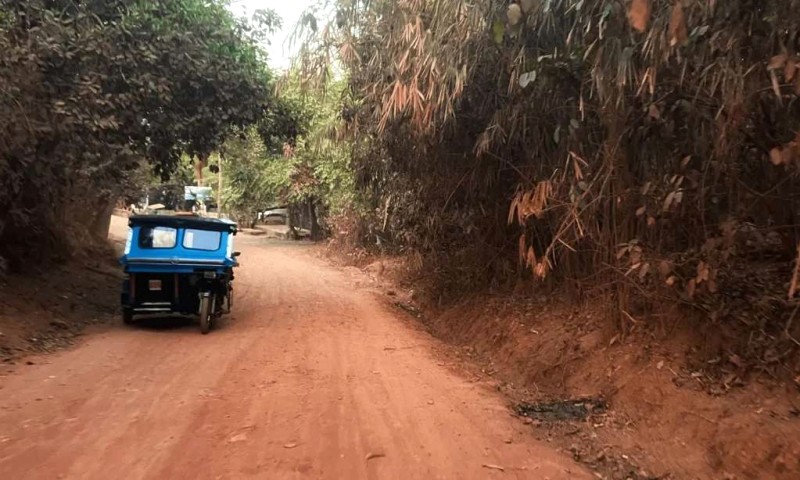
[{"x": 280, "y": 51}]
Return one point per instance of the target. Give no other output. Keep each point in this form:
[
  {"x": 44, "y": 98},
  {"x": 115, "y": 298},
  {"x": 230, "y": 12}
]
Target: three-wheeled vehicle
[{"x": 179, "y": 264}]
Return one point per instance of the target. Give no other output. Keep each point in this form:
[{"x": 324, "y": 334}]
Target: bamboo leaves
[
  {"x": 498, "y": 31},
  {"x": 489, "y": 104},
  {"x": 639, "y": 14},
  {"x": 530, "y": 203},
  {"x": 678, "y": 32},
  {"x": 514, "y": 14},
  {"x": 527, "y": 78}
]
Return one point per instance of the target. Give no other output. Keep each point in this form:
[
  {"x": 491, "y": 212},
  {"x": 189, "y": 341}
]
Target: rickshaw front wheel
[
  {"x": 205, "y": 314},
  {"x": 127, "y": 316}
]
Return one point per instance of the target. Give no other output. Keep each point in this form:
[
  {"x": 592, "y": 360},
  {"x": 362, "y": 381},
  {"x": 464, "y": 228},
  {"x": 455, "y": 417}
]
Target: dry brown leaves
[
  {"x": 635, "y": 255},
  {"x": 639, "y": 14},
  {"x": 777, "y": 62},
  {"x": 786, "y": 154},
  {"x": 528, "y": 203},
  {"x": 787, "y": 65},
  {"x": 539, "y": 266},
  {"x": 790, "y": 69},
  {"x": 796, "y": 276},
  {"x": 427, "y": 80},
  {"x": 706, "y": 275},
  {"x": 678, "y": 33}
]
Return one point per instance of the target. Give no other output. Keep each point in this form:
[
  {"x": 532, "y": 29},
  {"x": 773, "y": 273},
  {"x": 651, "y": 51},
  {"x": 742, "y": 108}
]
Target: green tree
[
  {"x": 302, "y": 161},
  {"x": 255, "y": 179},
  {"x": 91, "y": 90}
]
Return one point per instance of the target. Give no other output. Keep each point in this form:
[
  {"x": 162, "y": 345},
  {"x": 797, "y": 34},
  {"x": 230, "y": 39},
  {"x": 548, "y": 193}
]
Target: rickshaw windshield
[
  {"x": 157, "y": 237},
  {"x": 207, "y": 240}
]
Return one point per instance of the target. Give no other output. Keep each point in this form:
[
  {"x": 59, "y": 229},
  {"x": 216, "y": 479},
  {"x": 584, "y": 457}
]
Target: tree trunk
[
  {"x": 199, "y": 164},
  {"x": 291, "y": 223},
  {"x": 312, "y": 216},
  {"x": 102, "y": 220},
  {"x": 219, "y": 186}
]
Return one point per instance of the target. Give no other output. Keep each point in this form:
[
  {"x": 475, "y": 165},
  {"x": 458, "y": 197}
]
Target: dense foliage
[
  {"x": 311, "y": 173},
  {"x": 92, "y": 89},
  {"x": 642, "y": 150}
]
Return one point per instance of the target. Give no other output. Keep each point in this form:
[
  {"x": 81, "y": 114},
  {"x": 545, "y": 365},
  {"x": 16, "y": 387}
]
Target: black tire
[
  {"x": 205, "y": 314},
  {"x": 127, "y": 316}
]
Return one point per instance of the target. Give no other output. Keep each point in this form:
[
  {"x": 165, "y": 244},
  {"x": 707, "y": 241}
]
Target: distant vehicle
[
  {"x": 159, "y": 197},
  {"x": 179, "y": 264},
  {"x": 281, "y": 214},
  {"x": 194, "y": 196}
]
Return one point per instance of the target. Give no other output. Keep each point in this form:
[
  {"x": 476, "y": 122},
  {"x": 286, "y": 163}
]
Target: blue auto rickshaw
[{"x": 178, "y": 264}]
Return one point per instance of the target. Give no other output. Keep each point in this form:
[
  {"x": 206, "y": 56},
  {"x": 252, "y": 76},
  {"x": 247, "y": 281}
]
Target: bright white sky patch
[{"x": 280, "y": 51}]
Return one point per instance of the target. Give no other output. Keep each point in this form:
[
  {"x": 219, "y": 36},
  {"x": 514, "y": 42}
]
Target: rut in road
[{"x": 309, "y": 378}]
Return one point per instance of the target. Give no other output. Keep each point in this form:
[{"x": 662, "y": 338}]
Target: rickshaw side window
[
  {"x": 201, "y": 240},
  {"x": 157, "y": 237}
]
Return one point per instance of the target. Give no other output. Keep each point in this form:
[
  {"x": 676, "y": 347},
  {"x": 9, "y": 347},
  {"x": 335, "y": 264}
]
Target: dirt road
[{"x": 309, "y": 378}]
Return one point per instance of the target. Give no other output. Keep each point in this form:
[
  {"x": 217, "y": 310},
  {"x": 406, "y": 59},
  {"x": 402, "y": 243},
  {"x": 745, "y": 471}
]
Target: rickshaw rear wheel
[{"x": 205, "y": 314}]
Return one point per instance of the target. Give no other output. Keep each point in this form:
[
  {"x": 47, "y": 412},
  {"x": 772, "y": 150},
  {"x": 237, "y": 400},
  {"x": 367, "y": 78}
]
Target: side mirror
[{"x": 236, "y": 254}]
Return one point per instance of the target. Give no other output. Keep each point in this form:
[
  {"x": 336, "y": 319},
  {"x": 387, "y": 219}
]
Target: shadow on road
[{"x": 161, "y": 323}]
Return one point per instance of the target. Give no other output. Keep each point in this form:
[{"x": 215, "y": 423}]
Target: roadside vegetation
[
  {"x": 642, "y": 152},
  {"x": 311, "y": 174},
  {"x": 99, "y": 96}
]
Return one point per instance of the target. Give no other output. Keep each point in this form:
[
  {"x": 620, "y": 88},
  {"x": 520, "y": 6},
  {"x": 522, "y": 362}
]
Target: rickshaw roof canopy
[{"x": 183, "y": 221}]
